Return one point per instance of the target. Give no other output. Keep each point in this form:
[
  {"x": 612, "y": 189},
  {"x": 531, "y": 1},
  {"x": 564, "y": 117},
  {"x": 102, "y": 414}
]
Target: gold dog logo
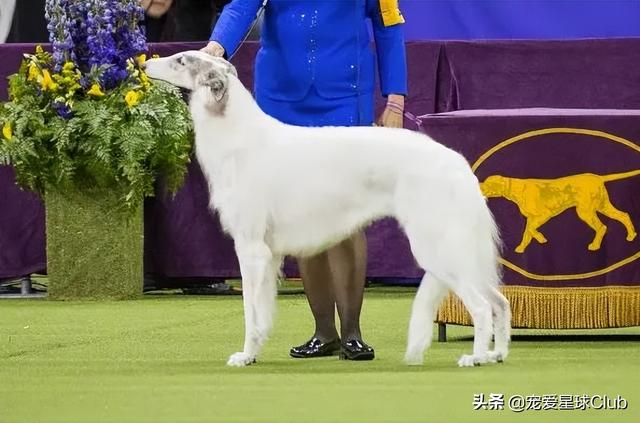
[
  {"x": 542, "y": 199},
  {"x": 593, "y": 195}
]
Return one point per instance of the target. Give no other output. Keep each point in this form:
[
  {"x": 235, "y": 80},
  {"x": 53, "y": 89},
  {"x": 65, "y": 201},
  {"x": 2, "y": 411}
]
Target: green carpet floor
[{"x": 162, "y": 359}]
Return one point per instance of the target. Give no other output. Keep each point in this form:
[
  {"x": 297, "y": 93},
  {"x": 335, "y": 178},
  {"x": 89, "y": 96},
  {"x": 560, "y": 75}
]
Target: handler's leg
[
  {"x": 318, "y": 286},
  {"x": 348, "y": 261}
]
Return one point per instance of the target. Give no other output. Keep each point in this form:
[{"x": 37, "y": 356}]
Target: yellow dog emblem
[{"x": 541, "y": 199}]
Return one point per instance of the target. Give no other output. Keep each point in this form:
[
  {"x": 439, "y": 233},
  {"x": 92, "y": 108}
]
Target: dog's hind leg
[
  {"x": 480, "y": 309},
  {"x": 430, "y": 294},
  {"x": 501, "y": 325},
  {"x": 259, "y": 297}
]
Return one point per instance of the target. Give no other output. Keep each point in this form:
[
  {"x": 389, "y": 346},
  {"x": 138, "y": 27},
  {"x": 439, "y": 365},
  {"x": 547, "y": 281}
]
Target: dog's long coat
[{"x": 281, "y": 189}]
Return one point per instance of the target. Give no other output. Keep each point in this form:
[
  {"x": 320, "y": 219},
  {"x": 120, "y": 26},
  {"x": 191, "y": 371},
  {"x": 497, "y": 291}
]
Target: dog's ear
[
  {"x": 215, "y": 83},
  {"x": 218, "y": 89}
]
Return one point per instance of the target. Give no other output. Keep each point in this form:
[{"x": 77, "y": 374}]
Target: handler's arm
[
  {"x": 389, "y": 37},
  {"x": 232, "y": 26},
  {"x": 392, "y": 63}
]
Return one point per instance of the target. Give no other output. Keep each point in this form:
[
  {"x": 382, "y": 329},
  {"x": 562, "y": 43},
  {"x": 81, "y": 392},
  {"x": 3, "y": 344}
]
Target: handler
[{"x": 316, "y": 67}]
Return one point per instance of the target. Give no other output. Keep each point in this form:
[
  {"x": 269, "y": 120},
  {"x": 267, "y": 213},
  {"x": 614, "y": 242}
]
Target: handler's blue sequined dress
[{"x": 316, "y": 65}]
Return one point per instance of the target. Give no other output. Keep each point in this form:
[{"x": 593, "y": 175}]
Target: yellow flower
[
  {"x": 141, "y": 59},
  {"x": 68, "y": 66},
  {"x": 144, "y": 79},
  {"x": 58, "y": 79},
  {"x": 132, "y": 98},
  {"x": 95, "y": 91},
  {"x": 71, "y": 89},
  {"x": 34, "y": 72},
  {"x": 155, "y": 56},
  {"x": 7, "y": 131},
  {"x": 39, "y": 49},
  {"x": 47, "y": 83}
]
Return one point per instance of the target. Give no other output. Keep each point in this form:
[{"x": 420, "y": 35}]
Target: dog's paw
[
  {"x": 240, "y": 359},
  {"x": 472, "y": 360},
  {"x": 413, "y": 358},
  {"x": 496, "y": 356}
]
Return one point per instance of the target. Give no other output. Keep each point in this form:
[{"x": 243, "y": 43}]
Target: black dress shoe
[
  {"x": 356, "y": 350},
  {"x": 315, "y": 348}
]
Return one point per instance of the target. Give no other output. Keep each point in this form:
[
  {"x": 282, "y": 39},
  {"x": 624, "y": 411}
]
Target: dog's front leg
[{"x": 259, "y": 298}]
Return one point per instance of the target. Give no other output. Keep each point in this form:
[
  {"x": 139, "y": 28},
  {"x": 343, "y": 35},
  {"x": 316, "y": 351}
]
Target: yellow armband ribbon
[{"x": 390, "y": 11}]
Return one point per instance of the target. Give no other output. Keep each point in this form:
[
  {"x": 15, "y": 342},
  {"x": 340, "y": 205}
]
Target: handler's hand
[
  {"x": 213, "y": 48},
  {"x": 392, "y": 117}
]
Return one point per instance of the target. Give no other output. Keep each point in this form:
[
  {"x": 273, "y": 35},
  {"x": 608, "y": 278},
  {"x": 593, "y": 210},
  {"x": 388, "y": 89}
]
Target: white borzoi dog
[{"x": 337, "y": 181}]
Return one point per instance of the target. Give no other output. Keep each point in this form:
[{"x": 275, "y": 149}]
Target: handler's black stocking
[
  {"x": 348, "y": 262},
  {"x": 317, "y": 281}
]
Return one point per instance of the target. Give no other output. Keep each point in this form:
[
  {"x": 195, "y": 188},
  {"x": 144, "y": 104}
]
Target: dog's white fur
[{"x": 282, "y": 189}]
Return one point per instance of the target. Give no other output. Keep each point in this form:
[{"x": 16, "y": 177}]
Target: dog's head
[
  {"x": 195, "y": 71},
  {"x": 494, "y": 186}
]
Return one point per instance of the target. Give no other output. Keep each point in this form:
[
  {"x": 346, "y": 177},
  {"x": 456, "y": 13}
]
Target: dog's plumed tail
[
  {"x": 489, "y": 247},
  {"x": 489, "y": 251}
]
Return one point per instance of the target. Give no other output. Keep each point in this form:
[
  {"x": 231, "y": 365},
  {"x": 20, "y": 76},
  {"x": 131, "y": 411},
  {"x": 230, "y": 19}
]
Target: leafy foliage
[{"x": 60, "y": 129}]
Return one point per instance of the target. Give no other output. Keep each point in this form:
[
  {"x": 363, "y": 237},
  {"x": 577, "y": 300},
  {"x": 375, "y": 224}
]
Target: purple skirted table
[
  {"x": 22, "y": 232},
  {"x": 532, "y": 164}
]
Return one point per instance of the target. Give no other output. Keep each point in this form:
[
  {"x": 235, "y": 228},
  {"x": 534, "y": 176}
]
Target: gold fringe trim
[{"x": 559, "y": 308}]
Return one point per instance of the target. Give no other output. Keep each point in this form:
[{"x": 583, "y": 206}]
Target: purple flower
[
  {"x": 100, "y": 33},
  {"x": 62, "y": 110}
]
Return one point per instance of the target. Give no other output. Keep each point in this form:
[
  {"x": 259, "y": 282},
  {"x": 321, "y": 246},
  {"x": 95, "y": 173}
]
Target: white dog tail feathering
[{"x": 499, "y": 304}]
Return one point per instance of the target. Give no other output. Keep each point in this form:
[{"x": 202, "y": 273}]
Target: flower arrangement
[{"x": 86, "y": 116}]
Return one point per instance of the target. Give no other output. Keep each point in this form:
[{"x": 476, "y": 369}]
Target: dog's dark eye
[{"x": 181, "y": 61}]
